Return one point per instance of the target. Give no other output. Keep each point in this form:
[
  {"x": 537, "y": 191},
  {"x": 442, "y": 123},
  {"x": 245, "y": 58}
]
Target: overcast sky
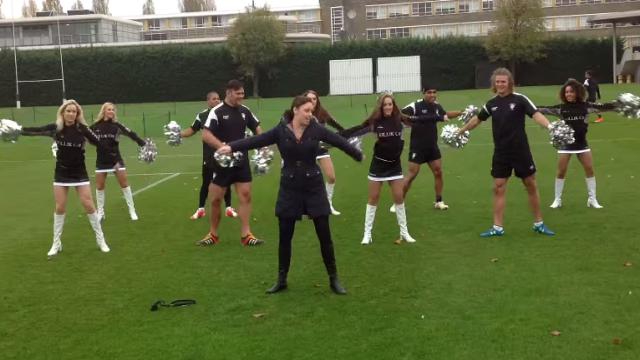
[{"x": 134, "y": 7}]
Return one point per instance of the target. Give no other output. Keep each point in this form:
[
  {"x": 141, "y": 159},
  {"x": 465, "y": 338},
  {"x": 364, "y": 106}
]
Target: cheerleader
[
  {"x": 70, "y": 131},
  {"x": 108, "y": 130},
  {"x": 574, "y": 111},
  {"x": 387, "y": 123},
  {"x": 302, "y": 190},
  {"x": 324, "y": 159}
]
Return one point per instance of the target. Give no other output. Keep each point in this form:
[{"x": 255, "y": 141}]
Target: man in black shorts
[
  {"x": 511, "y": 148},
  {"x": 424, "y": 141},
  {"x": 227, "y": 122}
]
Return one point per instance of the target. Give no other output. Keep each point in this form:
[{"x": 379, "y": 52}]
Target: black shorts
[
  {"x": 425, "y": 155},
  {"x": 225, "y": 177},
  {"x": 520, "y": 162}
]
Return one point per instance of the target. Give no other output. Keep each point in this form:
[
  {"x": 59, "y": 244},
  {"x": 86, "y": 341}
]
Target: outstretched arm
[
  {"x": 341, "y": 143},
  {"x": 47, "y": 130},
  {"x": 125, "y": 130},
  {"x": 553, "y": 110},
  {"x": 255, "y": 142},
  {"x": 598, "y": 108}
]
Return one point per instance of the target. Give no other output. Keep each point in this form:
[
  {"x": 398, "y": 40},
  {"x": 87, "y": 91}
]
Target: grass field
[{"x": 452, "y": 295}]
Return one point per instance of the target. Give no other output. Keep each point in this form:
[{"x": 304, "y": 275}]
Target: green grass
[{"x": 441, "y": 298}]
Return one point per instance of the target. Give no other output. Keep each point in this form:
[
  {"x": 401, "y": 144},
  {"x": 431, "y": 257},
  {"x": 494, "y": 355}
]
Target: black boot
[
  {"x": 334, "y": 284},
  {"x": 280, "y": 285}
]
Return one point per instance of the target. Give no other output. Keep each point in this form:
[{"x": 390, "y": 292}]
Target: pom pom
[
  {"x": 261, "y": 160},
  {"x": 356, "y": 142},
  {"x": 629, "y": 105},
  {"x": 451, "y": 137},
  {"x": 9, "y": 130},
  {"x": 148, "y": 152},
  {"x": 561, "y": 134},
  {"x": 172, "y": 132},
  {"x": 469, "y": 112},
  {"x": 227, "y": 161}
]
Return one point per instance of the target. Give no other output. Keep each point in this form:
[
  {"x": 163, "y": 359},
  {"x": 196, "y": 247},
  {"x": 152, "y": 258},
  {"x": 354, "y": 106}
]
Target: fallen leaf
[
  {"x": 494, "y": 260},
  {"x": 398, "y": 242},
  {"x": 259, "y": 315},
  {"x": 555, "y": 333},
  {"x": 628, "y": 263},
  {"x": 616, "y": 341}
]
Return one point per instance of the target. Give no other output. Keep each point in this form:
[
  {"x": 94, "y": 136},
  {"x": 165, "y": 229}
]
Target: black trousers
[
  {"x": 207, "y": 174},
  {"x": 287, "y": 227}
]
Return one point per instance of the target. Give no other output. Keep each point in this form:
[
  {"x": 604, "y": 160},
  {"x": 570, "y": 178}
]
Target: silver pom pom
[
  {"x": 469, "y": 112},
  {"x": 356, "y": 142},
  {"x": 261, "y": 160},
  {"x": 226, "y": 161},
  {"x": 629, "y": 105},
  {"x": 451, "y": 137},
  {"x": 172, "y": 132},
  {"x": 561, "y": 134},
  {"x": 148, "y": 152},
  {"x": 9, "y": 130}
]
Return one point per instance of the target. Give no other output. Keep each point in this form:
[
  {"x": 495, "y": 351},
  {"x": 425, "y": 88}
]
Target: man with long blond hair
[{"x": 511, "y": 148}]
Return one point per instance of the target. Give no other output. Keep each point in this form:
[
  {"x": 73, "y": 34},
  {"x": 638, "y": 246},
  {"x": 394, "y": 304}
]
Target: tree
[
  {"x": 52, "y": 5},
  {"x": 256, "y": 40},
  {"x": 519, "y": 32},
  {"x": 196, "y": 5},
  {"x": 148, "y": 8},
  {"x": 29, "y": 9},
  {"x": 101, "y": 7},
  {"x": 77, "y": 5}
]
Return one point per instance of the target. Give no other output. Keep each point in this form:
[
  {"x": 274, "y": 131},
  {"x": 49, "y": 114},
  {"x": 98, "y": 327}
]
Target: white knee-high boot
[
  {"x": 329, "y": 188},
  {"x": 369, "y": 217},
  {"x": 100, "y": 203},
  {"x": 94, "y": 220},
  {"x": 592, "y": 201},
  {"x": 402, "y": 223},
  {"x": 128, "y": 197},
  {"x": 58, "y": 224}
]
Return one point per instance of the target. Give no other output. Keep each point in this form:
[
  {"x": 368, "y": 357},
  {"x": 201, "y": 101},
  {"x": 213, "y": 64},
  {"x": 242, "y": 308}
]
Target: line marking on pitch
[{"x": 154, "y": 184}]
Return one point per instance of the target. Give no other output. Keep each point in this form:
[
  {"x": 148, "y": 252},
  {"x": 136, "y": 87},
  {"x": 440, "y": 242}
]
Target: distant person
[{"x": 593, "y": 91}]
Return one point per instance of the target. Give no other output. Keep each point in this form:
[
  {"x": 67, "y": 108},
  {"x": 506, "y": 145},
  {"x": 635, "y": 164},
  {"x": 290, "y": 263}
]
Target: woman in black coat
[{"x": 302, "y": 190}]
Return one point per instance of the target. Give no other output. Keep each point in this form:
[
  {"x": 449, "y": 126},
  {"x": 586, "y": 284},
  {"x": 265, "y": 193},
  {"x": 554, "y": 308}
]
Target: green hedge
[{"x": 187, "y": 72}]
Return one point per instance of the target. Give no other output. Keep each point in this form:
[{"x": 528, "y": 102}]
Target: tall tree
[
  {"x": 101, "y": 7},
  {"x": 52, "y": 5},
  {"x": 29, "y": 9},
  {"x": 148, "y": 8},
  {"x": 256, "y": 40},
  {"x": 196, "y": 5},
  {"x": 77, "y": 5},
  {"x": 519, "y": 32}
]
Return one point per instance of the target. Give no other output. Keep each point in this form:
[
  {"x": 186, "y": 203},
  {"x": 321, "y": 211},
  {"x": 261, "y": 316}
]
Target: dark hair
[
  {"x": 319, "y": 112},
  {"x": 210, "y": 94},
  {"x": 578, "y": 88},
  {"x": 234, "y": 85},
  {"x": 589, "y": 72},
  {"x": 426, "y": 87},
  {"x": 296, "y": 103},
  {"x": 377, "y": 115}
]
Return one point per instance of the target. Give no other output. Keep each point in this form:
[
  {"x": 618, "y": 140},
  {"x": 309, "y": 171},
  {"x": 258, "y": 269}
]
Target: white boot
[
  {"x": 592, "y": 201},
  {"x": 58, "y": 224},
  {"x": 392, "y": 208},
  {"x": 402, "y": 222},
  {"x": 557, "y": 201},
  {"x": 369, "y": 217},
  {"x": 329, "y": 188},
  {"x": 128, "y": 197},
  {"x": 94, "y": 220},
  {"x": 100, "y": 203}
]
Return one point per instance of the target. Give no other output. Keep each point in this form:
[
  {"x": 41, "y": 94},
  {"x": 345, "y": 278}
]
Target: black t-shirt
[
  {"x": 70, "y": 141},
  {"x": 109, "y": 134},
  {"x": 389, "y": 145},
  {"x": 198, "y": 124},
  {"x": 593, "y": 89},
  {"x": 508, "y": 114},
  {"x": 229, "y": 123},
  {"x": 424, "y": 134}
]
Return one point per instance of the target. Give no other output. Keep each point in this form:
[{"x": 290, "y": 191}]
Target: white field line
[{"x": 154, "y": 184}]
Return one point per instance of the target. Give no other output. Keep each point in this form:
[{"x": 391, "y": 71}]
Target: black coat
[{"x": 302, "y": 188}]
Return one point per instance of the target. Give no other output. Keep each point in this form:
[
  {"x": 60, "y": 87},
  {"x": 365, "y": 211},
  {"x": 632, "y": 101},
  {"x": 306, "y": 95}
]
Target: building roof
[
  {"x": 66, "y": 19},
  {"x": 616, "y": 17},
  {"x": 217, "y": 12}
]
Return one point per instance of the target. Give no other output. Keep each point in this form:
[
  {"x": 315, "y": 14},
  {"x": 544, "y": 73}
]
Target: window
[
  {"x": 446, "y": 7},
  {"x": 565, "y": 2},
  {"x": 201, "y": 22},
  {"x": 445, "y": 30},
  {"x": 547, "y": 3},
  {"x": 470, "y": 29},
  {"x": 184, "y": 23},
  {"x": 154, "y": 24},
  {"x": 421, "y": 9},
  {"x": 376, "y": 12},
  {"x": 337, "y": 23},
  {"x": 422, "y": 32},
  {"x": 395, "y": 33},
  {"x": 487, "y": 5},
  {"x": 374, "y": 34},
  {"x": 591, "y": 1},
  {"x": 463, "y": 6},
  {"x": 396, "y": 11}
]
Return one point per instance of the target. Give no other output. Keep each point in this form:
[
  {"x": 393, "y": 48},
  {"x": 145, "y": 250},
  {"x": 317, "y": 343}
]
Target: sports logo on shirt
[
  {"x": 512, "y": 106},
  {"x": 424, "y": 111},
  {"x": 225, "y": 117},
  {"x": 494, "y": 108},
  {"x": 413, "y": 156},
  {"x": 243, "y": 116}
]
